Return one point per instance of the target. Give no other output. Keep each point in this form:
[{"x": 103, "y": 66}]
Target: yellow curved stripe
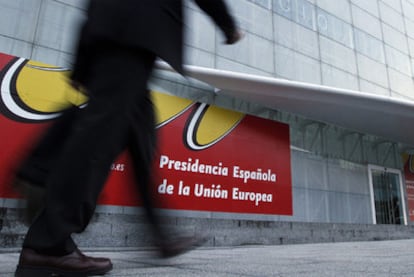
[
  {"x": 216, "y": 123},
  {"x": 168, "y": 106},
  {"x": 45, "y": 90}
]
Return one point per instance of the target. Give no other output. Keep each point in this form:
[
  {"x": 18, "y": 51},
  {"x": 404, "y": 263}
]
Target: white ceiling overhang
[{"x": 378, "y": 115}]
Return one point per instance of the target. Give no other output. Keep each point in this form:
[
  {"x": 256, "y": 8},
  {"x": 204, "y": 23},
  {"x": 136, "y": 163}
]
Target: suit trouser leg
[
  {"x": 100, "y": 133},
  {"x": 37, "y": 166},
  {"x": 142, "y": 147}
]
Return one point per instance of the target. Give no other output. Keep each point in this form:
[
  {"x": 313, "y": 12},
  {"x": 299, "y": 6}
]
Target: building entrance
[{"x": 388, "y": 205}]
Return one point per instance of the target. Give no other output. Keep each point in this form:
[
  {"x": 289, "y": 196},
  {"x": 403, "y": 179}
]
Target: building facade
[{"x": 339, "y": 174}]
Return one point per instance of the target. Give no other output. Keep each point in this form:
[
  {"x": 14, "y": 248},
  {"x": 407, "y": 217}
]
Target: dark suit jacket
[{"x": 154, "y": 25}]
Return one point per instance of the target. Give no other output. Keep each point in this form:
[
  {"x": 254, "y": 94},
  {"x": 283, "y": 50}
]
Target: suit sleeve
[{"x": 219, "y": 12}]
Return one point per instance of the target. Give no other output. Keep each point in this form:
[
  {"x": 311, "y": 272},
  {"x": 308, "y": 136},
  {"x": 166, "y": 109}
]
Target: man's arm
[{"x": 219, "y": 12}]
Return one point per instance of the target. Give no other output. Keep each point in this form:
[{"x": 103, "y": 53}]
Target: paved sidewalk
[{"x": 379, "y": 259}]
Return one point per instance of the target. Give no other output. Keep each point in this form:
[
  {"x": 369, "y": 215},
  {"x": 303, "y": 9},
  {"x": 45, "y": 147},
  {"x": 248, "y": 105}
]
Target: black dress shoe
[
  {"x": 76, "y": 264},
  {"x": 178, "y": 246}
]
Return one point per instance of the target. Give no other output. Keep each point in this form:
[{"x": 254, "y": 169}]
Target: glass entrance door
[{"x": 386, "y": 196}]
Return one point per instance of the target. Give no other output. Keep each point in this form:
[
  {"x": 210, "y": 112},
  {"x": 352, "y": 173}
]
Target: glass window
[
  {"x": 334, "y": 28},
  {"x": 369, "y": 46}
]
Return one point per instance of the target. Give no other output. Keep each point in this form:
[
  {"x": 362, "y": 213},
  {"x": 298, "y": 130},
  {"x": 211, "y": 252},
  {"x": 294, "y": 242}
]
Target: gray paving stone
[{"x": 348, "y": 259}]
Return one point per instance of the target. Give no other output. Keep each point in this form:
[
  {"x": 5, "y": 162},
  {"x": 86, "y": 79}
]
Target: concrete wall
[{"x": 112, "y": 230}]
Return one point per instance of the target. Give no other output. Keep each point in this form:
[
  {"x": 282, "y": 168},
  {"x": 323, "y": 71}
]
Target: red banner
[{"x": 209, "y": 158}]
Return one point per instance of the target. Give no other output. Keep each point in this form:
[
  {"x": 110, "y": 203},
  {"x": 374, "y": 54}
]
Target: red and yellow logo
[{"x": 33, "y": 92}]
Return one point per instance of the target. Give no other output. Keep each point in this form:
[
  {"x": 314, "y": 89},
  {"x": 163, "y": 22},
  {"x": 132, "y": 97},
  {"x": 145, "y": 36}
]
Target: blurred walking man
[{"x": 117, "y": 49}]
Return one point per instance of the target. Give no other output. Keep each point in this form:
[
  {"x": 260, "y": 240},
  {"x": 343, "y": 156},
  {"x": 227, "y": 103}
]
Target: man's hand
[{"x": 235, "y": 37}]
